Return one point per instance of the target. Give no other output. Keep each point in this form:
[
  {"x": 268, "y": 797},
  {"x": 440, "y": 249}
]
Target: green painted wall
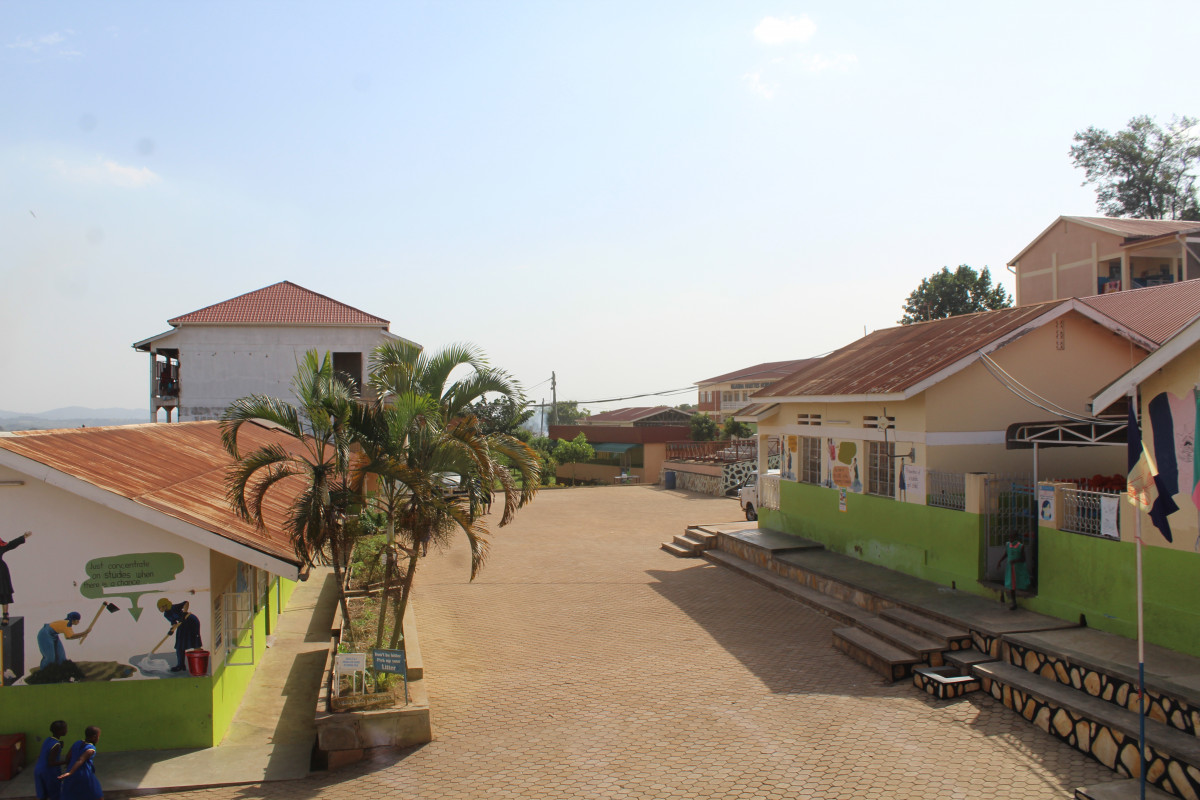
[
  {"x": 182, "y": 712},
  {"x": 932, "y": 543},
  {"x": 1098, "y": 578}
]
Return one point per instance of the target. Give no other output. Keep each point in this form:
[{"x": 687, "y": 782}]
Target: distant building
[
  {"x": 721, "y": 396},
  {"x": 629, "y": 441},
  {"x": 1084, "y": 256},
  {"x": 251, "y": 344}
]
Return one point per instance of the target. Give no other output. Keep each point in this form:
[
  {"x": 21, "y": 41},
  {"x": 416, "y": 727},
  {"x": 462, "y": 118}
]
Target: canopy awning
[
  {"x": 614, "y": 447},
  {"x": 1065, "y": 433}
]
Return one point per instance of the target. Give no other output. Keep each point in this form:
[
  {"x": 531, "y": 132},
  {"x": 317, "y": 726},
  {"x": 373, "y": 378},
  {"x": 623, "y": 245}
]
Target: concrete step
[
  {"x": 707, "y": 538},
  {"x": 944, "y": 682},
  {"x": 1129, "y": 789},
  {"x": 676, "y": 550},
  {"x": 956, "y": 637},
  {"x": 888, "y": 660},
  {"x": 846, "y": 613},
  {"x": 927, "y": 651},
  {"x": 963, "y": 660},
  {"x": 1096, "y": 727}
]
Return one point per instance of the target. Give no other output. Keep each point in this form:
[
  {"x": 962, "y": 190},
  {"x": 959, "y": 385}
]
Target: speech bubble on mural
[
  {"x": 113, "y": 576},
  {"x": 847, "y": 451}
]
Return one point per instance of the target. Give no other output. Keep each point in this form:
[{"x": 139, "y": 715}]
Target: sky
[{"x": 635, "y": 196}]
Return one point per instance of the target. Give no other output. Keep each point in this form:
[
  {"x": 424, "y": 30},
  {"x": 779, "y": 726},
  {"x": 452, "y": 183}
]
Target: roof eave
[{"x": 1128, "y": 382}]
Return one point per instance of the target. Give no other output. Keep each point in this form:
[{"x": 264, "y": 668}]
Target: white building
[{"x": 252, "y": 344}]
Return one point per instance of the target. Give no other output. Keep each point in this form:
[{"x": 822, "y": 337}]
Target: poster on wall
[
  {"x": 78, "y": 613},
  {"x": 1109, "y": 509},
  {"x": 1045, "y": 504},
  {"x": 842, "y": 500},
  {"x": 912, "y": 483},
  {"x": 843, "y": 469},
  {"x": 790, "y": 458}
]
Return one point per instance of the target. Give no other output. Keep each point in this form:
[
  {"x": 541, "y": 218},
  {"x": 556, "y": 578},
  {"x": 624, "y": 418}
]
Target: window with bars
[
  {"x": 808, "y": 419},
  {"x": 810, "y": 459},
  {"x": 881, "y": 469}
]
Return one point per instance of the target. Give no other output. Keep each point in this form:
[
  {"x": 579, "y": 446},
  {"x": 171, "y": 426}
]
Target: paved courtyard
[{"x": 586, "y": 663}]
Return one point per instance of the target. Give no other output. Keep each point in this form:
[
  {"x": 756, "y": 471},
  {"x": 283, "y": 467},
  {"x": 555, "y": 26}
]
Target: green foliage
[
  {"x": 1143, "y": 171},
  {"x": 567, "y": 412},
  {"x": 948, "y": 294},
  {"x": 704, "y": 428},
  {"x": 732, "y": 429},
  {"x": 544, "y": 447},
  {"x": 574, "y": 451},
  {"x": 502, "y": 415}
]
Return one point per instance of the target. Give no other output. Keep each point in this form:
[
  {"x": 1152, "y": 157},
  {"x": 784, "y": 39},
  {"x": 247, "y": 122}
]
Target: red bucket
[{"x": 197, "y": 661}]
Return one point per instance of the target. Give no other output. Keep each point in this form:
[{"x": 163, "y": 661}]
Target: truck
[{"x": 748, "y": 495}]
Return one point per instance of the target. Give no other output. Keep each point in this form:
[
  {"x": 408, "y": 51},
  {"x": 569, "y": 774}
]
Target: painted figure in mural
[
  {"x": 856, "y": 484},
  {"x": 6, "y": 586},
  {"x": 1016, "y": 571},
  {"x": 50, "y": 763},
  {"x": 50, "y": 645},
  {"x": 80, "y": 781},
  {"x": 185, "y": 626}
]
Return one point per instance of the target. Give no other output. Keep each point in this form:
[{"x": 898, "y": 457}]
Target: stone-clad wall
[
  {"x": 1111, "y": 748},
  {"x": 1116, "y": 690}
]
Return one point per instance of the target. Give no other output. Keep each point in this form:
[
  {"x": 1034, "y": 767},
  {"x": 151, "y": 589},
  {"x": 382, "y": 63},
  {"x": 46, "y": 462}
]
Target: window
[
  {"x": 879, "y": 423},
  {"x": 808, "y": 419},
  {"x": 810, "y": 459},
  {"x": 881, "y": 469}
]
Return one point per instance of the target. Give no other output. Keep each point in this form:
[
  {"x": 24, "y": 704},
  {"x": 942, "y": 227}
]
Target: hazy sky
[{"x": 636, "y": 195}]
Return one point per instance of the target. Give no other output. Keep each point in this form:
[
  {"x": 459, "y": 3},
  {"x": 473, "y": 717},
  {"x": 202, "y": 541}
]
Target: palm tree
[
  {"x": 444, "y": 439},
  {"x": 320, "y": 459}
]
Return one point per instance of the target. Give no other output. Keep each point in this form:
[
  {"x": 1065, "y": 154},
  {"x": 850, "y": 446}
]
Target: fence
[
  {"x": 946, "y": 489},
  {"x": 768, "y": 496},
  {"x": 724, "y": 451},
  {"x": 1082, "y": 512}
]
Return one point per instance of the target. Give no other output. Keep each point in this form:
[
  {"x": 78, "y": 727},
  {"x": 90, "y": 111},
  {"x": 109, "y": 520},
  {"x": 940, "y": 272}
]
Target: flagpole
[{"x": 1141, "y": 634}]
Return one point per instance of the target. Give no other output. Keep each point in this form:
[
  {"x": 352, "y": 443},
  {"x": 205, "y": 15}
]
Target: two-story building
[
  {"x": 627, "y": 441},
  {"x": 251, "y": 344},
  {"x": 1083, "y": 256},
  {"x": 721, "y": 396}
]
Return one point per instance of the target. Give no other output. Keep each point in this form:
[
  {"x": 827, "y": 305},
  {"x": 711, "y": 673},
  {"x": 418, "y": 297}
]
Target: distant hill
[{"x": 72, "y": 417}]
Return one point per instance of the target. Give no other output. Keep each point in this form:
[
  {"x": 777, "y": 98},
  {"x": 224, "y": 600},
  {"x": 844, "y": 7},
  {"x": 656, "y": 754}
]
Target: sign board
[
  {"x": 389, "y": 661},
  {"x": 841, "y": 500},
  {"x": 349, "y": 662},
  {"x": 1045, "y": 504},
  {"x": 1109, "y": 509}
]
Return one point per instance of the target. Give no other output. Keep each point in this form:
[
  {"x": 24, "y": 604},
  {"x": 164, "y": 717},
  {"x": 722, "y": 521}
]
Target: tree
[
  {"x": 321, "y": 459},
  {"x": 567, "y": 412},
  {"x": 574, "y": 451},
  {"x": 704, "y": 428},
  {"x": 948, "y": 294},
  {"x": 447, "y": 438},
  {"x": 732, "y": 429},
  {"x": 1143, "y": 171},
  {"x": 544, "y": 447},
  {"x": 503, "y": 415}
]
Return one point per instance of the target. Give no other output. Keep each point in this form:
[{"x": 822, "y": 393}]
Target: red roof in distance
[
  {"x": 768, "y": 371},
  {"x": 282, "y": 303},
  {"x": 625, "y": 415}
]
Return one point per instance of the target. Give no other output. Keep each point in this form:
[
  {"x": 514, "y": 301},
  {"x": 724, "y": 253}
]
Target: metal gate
[{"x": 1011, "y": 508}]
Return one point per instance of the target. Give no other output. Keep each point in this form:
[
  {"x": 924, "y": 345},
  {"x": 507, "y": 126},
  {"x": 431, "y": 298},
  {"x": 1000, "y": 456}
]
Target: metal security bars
[
  {"x": 810, "y": 459},
  {"x": 769, "y": 492},
  {"x": 1082, "y": 511},
  {"x": 881, "y": 469},
  {"x": 946, "y": 489}
]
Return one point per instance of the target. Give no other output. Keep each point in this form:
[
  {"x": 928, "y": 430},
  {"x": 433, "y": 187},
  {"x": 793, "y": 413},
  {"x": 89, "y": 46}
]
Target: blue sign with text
[{"x": 389, "y": 661}]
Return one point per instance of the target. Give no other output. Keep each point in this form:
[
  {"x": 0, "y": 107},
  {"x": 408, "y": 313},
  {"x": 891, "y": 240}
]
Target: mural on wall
[
  {"x": 843, "y": 472},
  {"x": 791, "y": 446},
  {"x": 62, "y": 630}
]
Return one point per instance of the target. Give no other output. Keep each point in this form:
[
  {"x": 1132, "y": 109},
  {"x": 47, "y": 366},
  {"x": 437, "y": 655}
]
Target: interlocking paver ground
[{"x": 586, "y": 663}]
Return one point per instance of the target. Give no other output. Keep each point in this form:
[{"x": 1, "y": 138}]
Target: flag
[
  {"x": 1196, "y": 453},
  {"x": 1140, "y": 490},
  {"x": 1166, "y": 476}
]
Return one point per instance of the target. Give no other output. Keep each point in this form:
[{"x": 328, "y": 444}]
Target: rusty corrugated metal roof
[
  {"x": 632, "y": 414},
  {"x": 177, "y": 469},
  {"x": 282, "y": 303},
  {"x": 894, "y": 359},
  {"x": 1156, "y": 312},
  {"x": 1137, "y": 228},
  {"x": 771, "y": 370}
]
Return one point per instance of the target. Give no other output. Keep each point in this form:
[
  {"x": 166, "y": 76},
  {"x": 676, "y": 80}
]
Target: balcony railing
[
  {"x": 726, "y": 451},
  {"x": 946, "y": 489},
  {"x": 1083, "y": 511}
]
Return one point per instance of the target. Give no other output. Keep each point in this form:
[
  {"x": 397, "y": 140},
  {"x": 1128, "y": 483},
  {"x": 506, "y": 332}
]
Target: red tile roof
[
  {"x": 769, "y": 371},
  {"x": 177, "y": 469},
  {"x": 1156, "y": 312},
  {"x": 282, "y": 303}
]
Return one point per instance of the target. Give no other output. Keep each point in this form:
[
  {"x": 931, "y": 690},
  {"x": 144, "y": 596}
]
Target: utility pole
[{"x": 553, "y": 400}]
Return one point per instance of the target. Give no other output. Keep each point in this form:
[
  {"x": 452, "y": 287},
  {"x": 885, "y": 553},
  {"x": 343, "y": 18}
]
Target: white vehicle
[{"x": 748, "y": 495}]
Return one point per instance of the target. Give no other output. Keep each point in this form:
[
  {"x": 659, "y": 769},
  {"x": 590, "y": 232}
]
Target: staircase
[{"x": 694, "y": 541}]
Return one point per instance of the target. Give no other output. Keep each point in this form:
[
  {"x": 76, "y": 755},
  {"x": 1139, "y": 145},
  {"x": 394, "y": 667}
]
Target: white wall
[
  {"x": 219, "y": 364},
  {"x": 49, "y": 572}
]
